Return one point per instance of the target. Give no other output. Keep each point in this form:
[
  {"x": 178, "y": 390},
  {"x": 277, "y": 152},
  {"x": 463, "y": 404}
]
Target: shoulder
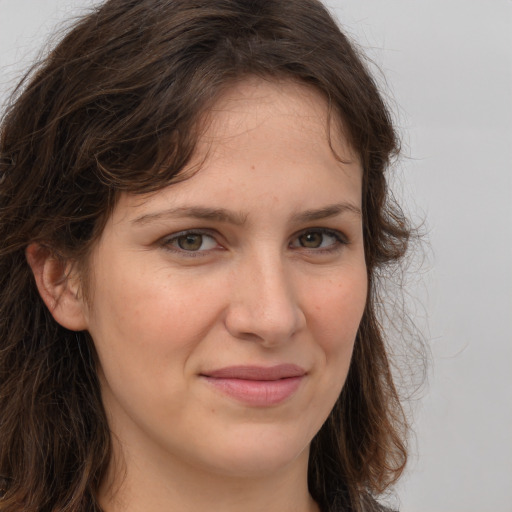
[
  {"x": 370, "y": 504},
  {"x": 367, "y": 503}
]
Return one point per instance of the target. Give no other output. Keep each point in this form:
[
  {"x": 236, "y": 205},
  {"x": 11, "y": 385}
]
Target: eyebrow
[
  {"x": 239, "y": 218},
  {"x": 196, "y": 212},
  {"x": 327, "y": 211}
]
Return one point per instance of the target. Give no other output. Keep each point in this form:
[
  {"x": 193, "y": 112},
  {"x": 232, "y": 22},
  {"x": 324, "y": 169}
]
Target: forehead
[
  {"x": 248, "y": 104},
  {"x": 274, "y": 134}
]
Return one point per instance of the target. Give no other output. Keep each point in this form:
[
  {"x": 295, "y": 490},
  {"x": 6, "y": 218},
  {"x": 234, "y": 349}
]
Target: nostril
[
  {"x": 263, "y": 304},
  {"x": 269, "y": 324},
  {"x": 249, "y": 336}
]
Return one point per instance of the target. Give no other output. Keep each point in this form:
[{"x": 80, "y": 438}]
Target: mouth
[{"x": 256, "y": 385}]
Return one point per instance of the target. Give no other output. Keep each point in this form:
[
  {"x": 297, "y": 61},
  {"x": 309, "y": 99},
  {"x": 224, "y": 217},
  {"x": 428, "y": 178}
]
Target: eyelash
[
  {"x": 169, "y": 241},
  {"x": 338, "y": 236}
]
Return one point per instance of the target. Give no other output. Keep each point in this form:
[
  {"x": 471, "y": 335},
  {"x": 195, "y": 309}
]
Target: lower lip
[{"x": 257, "y": 392}]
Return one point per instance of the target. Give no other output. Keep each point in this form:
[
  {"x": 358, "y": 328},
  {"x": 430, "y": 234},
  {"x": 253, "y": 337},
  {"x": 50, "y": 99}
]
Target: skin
[{"x": 271, "y": 271}]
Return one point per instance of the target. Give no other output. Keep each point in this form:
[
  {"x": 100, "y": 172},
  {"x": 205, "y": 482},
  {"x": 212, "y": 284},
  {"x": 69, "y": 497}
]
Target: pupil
[
  {"x": 190, "y": 242},
  {"x": 312, "y": 240}
]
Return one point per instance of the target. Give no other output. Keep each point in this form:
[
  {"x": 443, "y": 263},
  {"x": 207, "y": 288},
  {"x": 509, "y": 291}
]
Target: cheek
[
  {"x": 337, "y": 308},
  {"x": 151, "y": 316},
  {"x": 143, "y": 337}
]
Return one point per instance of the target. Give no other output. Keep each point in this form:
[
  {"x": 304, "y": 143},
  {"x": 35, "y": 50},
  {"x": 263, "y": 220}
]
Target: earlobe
[{"x": 58, "y": 286}]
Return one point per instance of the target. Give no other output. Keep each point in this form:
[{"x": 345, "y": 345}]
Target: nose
[{"x": 264, "y": 306}]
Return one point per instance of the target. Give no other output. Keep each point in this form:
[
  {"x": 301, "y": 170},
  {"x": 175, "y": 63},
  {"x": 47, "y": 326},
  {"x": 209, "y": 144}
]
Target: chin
[{"x": 259, "y": 453}]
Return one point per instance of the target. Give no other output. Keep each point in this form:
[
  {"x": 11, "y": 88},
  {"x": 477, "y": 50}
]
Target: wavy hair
[{"x": 114, "y": 107}]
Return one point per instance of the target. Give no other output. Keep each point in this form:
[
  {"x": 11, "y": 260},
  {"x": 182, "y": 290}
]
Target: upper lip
[{"x": 280, "y": 371}]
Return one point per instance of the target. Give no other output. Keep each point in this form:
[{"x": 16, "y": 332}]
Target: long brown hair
[{"x": 115, "y": 107}]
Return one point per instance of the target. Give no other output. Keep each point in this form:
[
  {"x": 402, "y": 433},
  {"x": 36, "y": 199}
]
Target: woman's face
[{"x": 224, "y": 308}]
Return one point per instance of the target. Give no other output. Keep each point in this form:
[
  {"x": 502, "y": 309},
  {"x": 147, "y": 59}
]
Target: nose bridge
[{"x": 264, "y": 305}]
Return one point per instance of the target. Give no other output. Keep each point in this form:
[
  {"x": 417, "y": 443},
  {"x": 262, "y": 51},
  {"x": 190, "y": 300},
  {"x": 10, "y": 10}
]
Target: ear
[{"x": 58, "y": 286}]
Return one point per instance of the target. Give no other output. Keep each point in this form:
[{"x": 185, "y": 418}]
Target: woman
[{"x": 194, "y": 215}]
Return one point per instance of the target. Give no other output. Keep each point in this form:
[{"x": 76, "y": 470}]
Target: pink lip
[{"x": 256, "y": 385}]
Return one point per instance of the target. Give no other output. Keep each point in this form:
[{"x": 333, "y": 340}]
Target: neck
[{"x": 160, "y": 485}]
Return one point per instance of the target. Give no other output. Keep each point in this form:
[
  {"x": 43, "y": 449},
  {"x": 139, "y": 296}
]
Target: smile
[{"x": 257, "y": 386}]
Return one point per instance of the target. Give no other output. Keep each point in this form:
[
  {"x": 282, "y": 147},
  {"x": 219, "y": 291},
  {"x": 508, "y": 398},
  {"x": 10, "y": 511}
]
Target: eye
[
  {"x": 190, "y": 241},
  {"x": 322, "y": 239}
]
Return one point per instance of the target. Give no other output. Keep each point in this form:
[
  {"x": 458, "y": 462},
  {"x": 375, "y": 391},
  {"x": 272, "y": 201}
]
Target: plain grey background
[{"x": 448, "y": 70}]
